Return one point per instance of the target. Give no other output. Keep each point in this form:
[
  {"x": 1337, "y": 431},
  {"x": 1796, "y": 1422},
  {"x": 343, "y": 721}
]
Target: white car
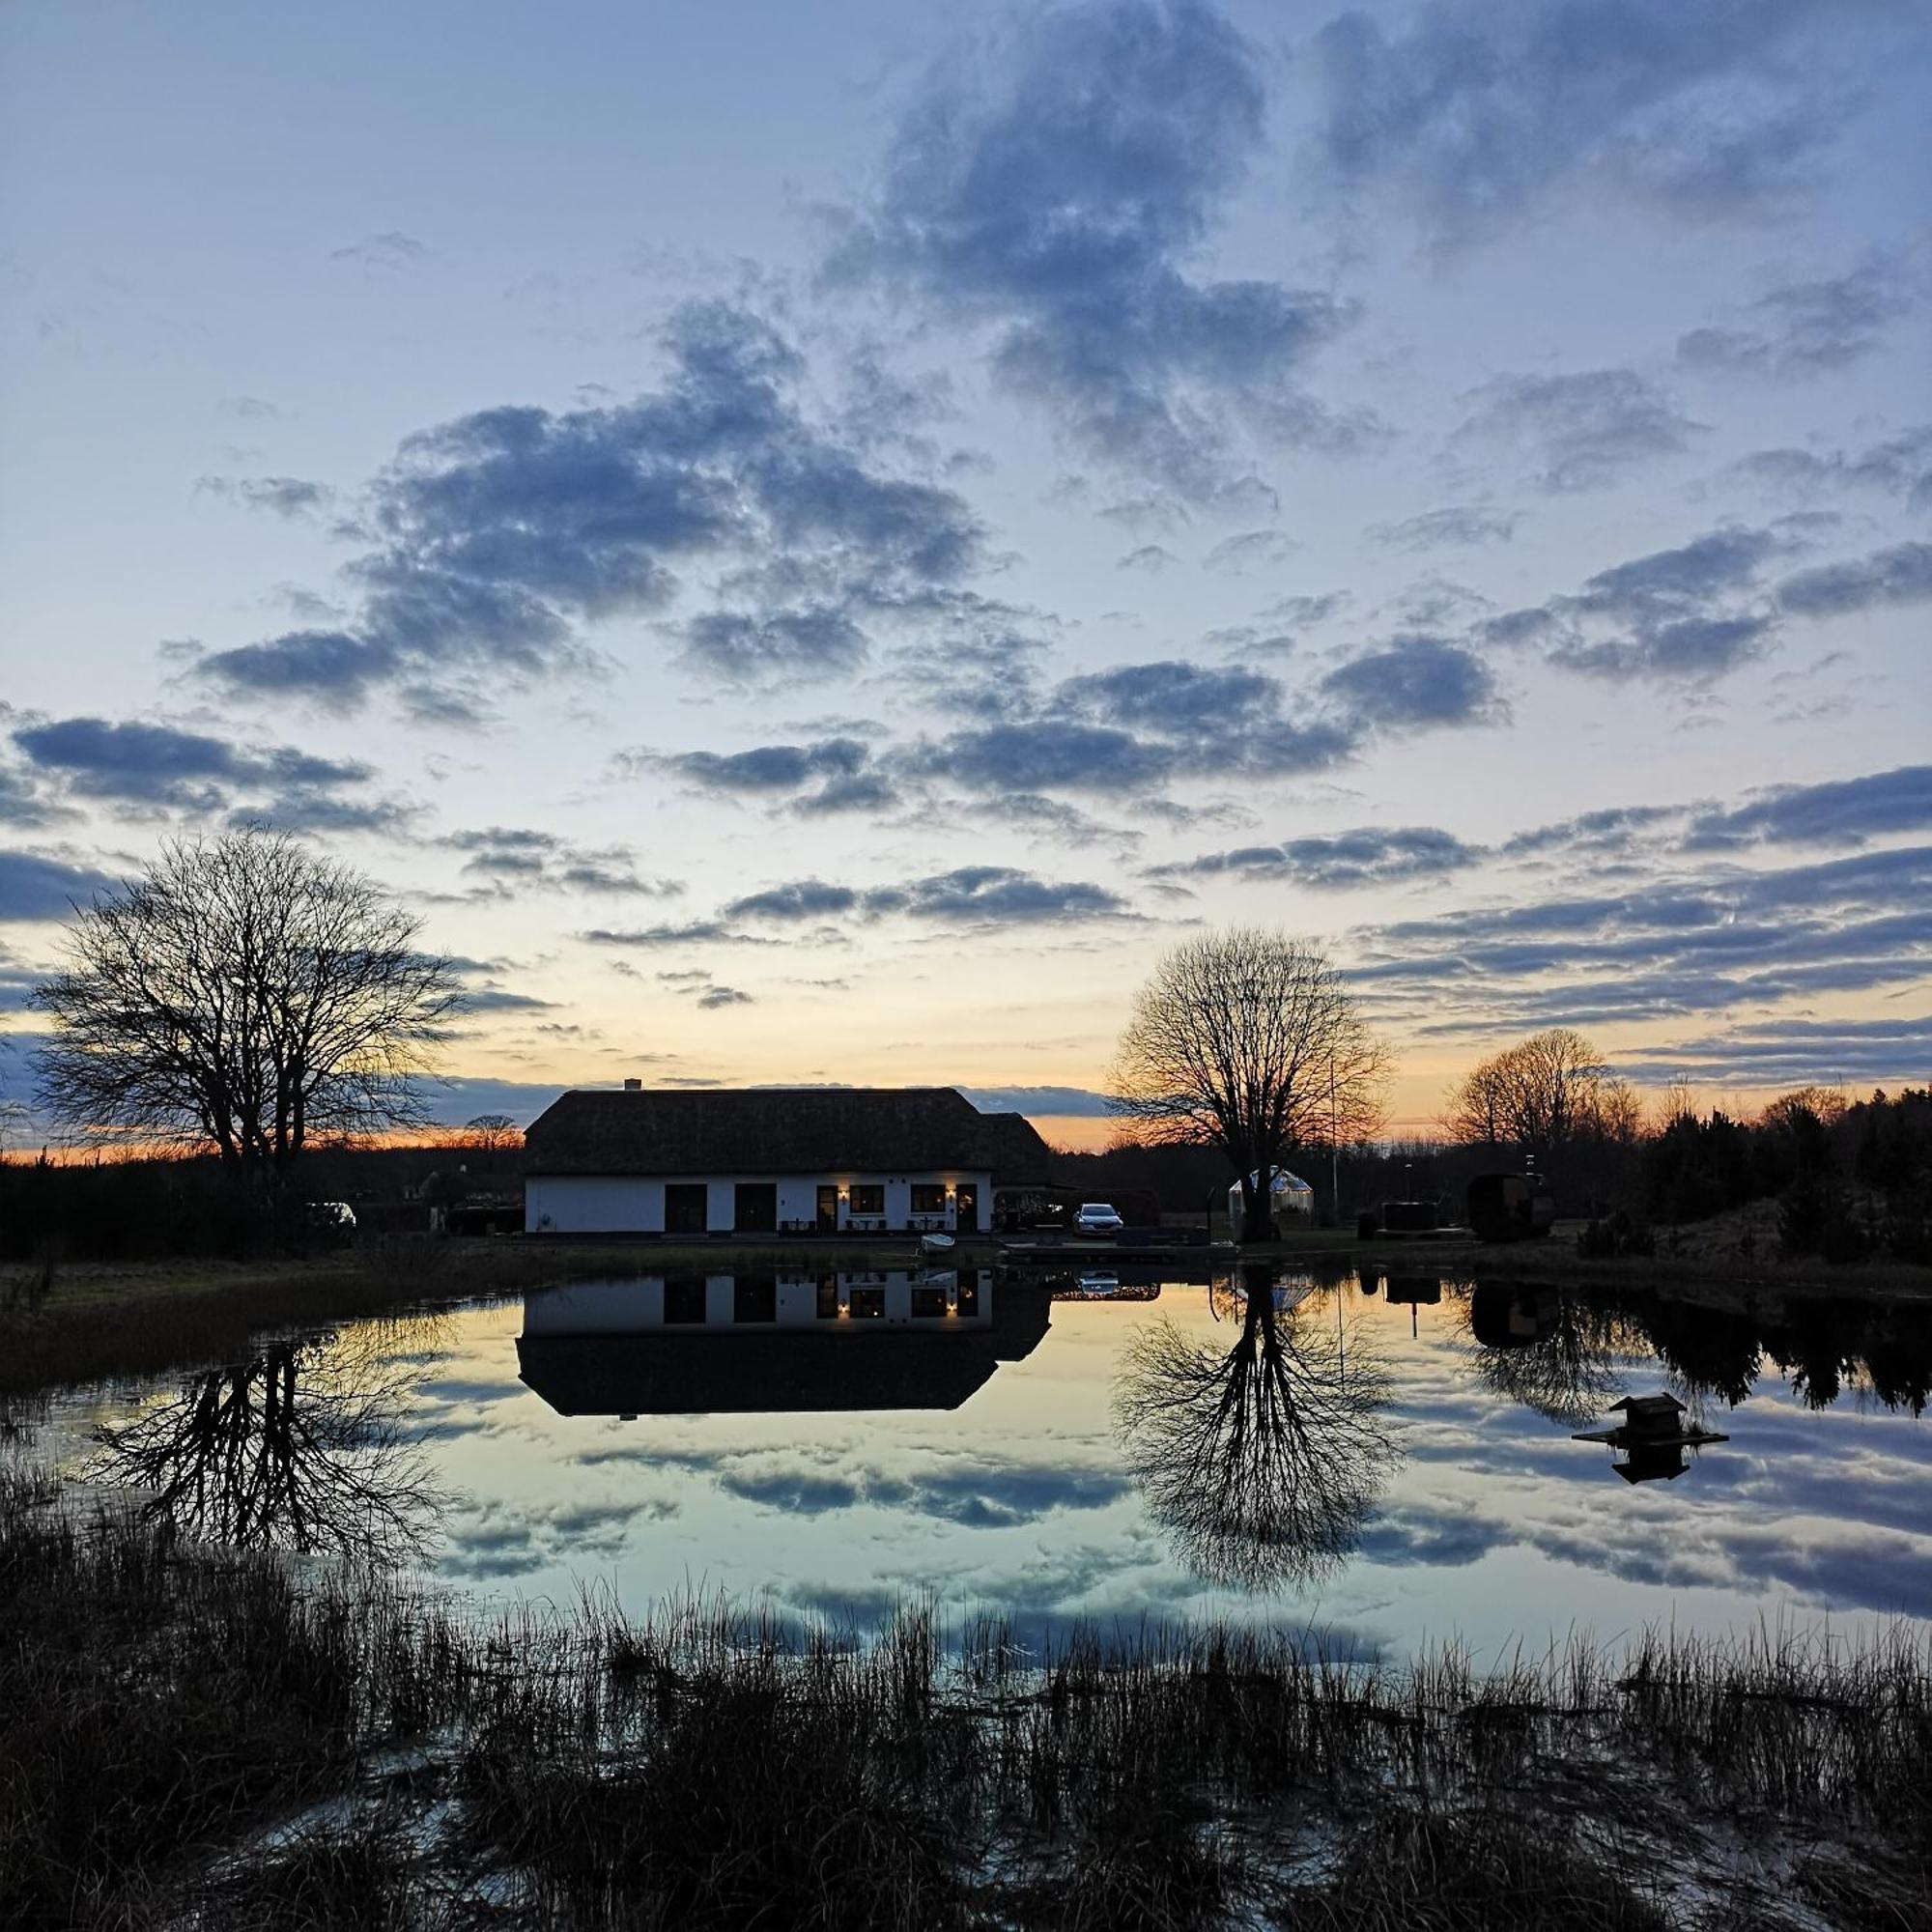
[{"x": 1098, "y": 1217}]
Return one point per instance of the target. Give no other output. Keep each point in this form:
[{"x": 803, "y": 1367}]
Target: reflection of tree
[
  {"x": 1547, "y": 1349},
  {"x": 301, "y": 1447},
  {"x": 1262, "y": 1458}
]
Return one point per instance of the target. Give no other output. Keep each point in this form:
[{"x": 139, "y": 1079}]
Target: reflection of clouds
[
  {"x": 1021, "y": 1501},
  {"x": 496, "y": 1543},
  {"x": 811, "y": 1482}
]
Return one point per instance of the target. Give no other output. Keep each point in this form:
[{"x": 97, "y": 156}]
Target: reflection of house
[
  {"x": 689, "y": 1345},
  {"x": 772, "y": 1160}
]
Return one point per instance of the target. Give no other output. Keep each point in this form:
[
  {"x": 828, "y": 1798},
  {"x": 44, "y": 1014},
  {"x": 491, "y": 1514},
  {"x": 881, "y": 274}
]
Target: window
[
  {"x": 927, "y": 1302},
  {"x": 828, "y": 1298},
  {"x": 928, "y": 1197},
  {"x": 870, "y": 1198},
  {"x": 754, "y": 1298},
  {"x": 684, "y": 1298},
  {"x": 968, "y": 1295},
  {"x": 868, "y": 1304}
]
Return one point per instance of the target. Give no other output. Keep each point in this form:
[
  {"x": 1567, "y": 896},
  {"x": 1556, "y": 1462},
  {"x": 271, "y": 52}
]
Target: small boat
[{"x": 935, "y": 1245}]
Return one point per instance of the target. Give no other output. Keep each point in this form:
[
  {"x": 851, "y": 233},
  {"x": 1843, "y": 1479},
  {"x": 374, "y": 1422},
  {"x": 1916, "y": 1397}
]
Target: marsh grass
[{"x": 212, "y": 1741}]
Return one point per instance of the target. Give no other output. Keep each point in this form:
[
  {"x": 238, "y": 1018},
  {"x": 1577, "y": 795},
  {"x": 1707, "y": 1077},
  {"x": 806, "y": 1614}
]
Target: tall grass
[{"x": 208, "y": 1741}]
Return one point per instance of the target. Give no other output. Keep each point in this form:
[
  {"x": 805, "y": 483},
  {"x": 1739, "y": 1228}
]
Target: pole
[{"x": 1334, "y": 1151}]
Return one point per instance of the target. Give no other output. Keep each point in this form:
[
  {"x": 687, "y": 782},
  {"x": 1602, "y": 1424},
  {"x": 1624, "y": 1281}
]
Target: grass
[
  {"x": 91, "y": 1322},
  {"x": 212, "y": 1741}
]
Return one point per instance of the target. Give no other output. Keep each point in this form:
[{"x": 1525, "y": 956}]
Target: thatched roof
[{"x": 781, "y": 1130}]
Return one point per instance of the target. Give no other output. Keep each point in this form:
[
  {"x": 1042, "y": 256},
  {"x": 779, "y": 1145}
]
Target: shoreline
[{"x": 101, "y": 1319}]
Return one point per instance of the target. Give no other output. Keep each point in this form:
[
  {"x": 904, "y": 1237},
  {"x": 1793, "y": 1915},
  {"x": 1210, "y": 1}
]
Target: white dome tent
[{"x": 1289, "y": 1194}]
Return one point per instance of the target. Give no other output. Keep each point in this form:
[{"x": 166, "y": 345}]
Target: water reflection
[
  {"x": 303, "y": 1446},
  {"x": 739, "y": 1344},
  {"x": 1262, "y": 1457},
  {"x": 1547, "y": 1350},
  {"x": 1565, "y": 1352}
]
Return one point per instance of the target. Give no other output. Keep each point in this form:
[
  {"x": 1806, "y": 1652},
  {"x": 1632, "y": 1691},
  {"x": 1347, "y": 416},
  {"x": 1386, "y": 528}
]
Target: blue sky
[{"x": 812, "y": 543}]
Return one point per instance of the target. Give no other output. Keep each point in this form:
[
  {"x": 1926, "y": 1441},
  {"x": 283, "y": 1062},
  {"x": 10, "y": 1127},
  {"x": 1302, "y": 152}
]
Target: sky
[{"x": 813, "y": 544}]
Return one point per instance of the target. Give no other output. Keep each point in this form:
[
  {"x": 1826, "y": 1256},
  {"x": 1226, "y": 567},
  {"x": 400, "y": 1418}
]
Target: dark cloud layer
[
  {"x": 1059, "y": 186},
  {"x": 503, "y": 532},
  {"x": 35, "y": 887},
  {"x": 1370, "y": 855},
  {"x": 968, "y": 894},
  {"x": 1470, "y": 118},
  {"x": 1679, "y": 943}
]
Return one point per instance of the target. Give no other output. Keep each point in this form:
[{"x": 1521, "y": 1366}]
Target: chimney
[{"x": 634, "y": 1086}]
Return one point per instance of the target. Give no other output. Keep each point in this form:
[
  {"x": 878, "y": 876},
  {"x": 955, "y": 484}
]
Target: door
[
  {"x": 756, "y": 1209},
  {"x": 828, "y": 1209},
  {"x": 966, "y": 1210},
  {"x": 685, "y": 1207}
]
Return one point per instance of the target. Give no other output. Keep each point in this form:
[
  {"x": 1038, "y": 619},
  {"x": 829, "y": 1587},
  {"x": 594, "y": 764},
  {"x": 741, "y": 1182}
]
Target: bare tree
[
  {"x": 1262, "y": 1457},
  {"x": 1543, "y": 1092},
  {"x": 1248, "y": 1040},
  {"x": 304, "y": 1447},
  {"x": 244, "y": 996}
]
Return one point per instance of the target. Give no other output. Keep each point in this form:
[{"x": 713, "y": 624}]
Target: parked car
[
  {"x": 1098, "y": 1217},
  {"x": 333, "y": 1216}
]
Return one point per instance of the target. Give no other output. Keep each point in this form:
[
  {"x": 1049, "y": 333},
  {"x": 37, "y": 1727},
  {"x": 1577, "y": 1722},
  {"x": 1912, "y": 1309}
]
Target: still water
[{"x": 1384, "y": 1462}]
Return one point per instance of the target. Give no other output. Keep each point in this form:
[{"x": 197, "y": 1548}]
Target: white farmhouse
[{"x": 772, "y": 1160}]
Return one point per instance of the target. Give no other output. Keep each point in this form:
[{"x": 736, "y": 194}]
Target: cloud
[
  {"x": 1689, "y": 613},
  {"x": 1438, "y": 529},
  {"x": 1153, "y": 559},
  {"x": 1586, "y": 430},
  {"x": 34, "y": 887},
  {"x": 1794, "y": 1052},
  {"x": 1804, "y": 329},
  {"x": 693, "y": 932},
  {"x": 509, "y": 861},
  {"x": 1416, "y": 683},
  {"x": 1471, "y": 119},
  {"x": 1045, "y": 754},
  {"x": 1899, "y": 465},
  {"x": 1677, "y": 942},
  {"x": 289, "y": 496},
  {"x": 714, "y": 997},
  {"x": 823, "y": 775},
  {"x": 1845, "y": 811},
  {"x": 392, "y": 250},
  {"x": 1900, "y": 574},
  {"x": 500, "y": 535},
  {"x": 1174, "y": 699},
  {"x": 799, "y": 899},
  {"x": 161, "y": 764},
  {"x": 1370, "y": 855},
  {"x": 1057, "y": 186},
  {"x": 1237, "y": 554},
  {"x": 969, "y": 895}
]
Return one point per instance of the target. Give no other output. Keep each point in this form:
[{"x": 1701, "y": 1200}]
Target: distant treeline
[{"x": 127, "y": 1211}]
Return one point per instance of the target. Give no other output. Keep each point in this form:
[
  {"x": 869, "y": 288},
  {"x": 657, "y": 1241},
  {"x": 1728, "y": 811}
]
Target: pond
[{"x": 1386, "y": 1461}]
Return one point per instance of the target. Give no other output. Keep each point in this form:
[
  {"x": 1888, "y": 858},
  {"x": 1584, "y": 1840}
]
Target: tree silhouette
[
  {"x": 243, "y": 998},
  {"x": 1261, "y": 1460},
  {"x": 301, "y": 1447},
  {"x": 1250, "y": 1041},
  {"x": 1549, "y": 1350}
]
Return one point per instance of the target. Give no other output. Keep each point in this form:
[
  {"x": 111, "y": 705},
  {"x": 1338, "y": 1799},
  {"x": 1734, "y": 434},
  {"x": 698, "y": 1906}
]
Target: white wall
[{"x": 624, "y": 1205}]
